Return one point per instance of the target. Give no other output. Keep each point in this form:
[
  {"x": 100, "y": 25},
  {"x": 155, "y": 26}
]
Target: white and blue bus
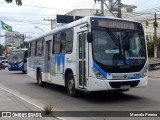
[
  {"x": 91, "y": 54},
  {"x": 18, "y": 60}
]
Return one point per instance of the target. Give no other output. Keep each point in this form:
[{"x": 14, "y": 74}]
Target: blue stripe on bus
[
  {"x": 99, "y": 69},
  {"x": 105, "y": 74},
  {"x": 60, "y": 61},
  {"x": 134, "y": 77}
]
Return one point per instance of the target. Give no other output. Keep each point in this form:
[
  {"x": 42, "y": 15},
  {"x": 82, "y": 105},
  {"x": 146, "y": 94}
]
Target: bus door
[
  {"x": 81, "y": 70},
  {"x": 47, "y": 67}
]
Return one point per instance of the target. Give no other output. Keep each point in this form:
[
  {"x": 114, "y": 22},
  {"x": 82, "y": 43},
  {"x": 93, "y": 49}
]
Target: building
[
  {"x": 127, "y": 11},
  {"x": 14, "y": 39},
  {"x": 7, "y": 51}
]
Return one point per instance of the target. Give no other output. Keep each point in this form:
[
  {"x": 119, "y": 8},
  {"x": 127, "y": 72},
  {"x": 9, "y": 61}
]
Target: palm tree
[{"x": 18, "y": 2}]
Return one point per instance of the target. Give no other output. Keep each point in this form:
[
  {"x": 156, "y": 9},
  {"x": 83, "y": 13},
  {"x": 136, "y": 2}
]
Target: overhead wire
[{"x": 36, "y": 6}]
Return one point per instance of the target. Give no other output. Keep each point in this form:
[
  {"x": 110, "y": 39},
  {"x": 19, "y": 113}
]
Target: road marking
[{"x": 2, "y": 87}]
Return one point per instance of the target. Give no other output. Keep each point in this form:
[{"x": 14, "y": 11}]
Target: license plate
[{"x": 125, "y": 87}]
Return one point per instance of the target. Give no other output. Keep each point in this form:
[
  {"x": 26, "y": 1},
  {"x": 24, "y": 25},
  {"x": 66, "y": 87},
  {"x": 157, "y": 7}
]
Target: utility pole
[
  {"x": 51, "y": 20},
  {"x": 155, "y": 35},
  {"x": 119, "y": 14},
  {"x": 102, "y": 6}
]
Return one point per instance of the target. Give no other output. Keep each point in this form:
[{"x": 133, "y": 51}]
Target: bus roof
[
  {"x": 22, "y": 49},
  {"x": 74, "y": 23}
]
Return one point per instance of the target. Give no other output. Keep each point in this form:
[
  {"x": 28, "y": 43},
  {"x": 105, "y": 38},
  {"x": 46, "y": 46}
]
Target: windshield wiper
[{"x": 114, "y": 38}]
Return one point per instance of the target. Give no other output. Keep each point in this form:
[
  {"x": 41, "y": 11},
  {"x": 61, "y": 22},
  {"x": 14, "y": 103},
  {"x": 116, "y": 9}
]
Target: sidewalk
[
  {"x": 155, "y": 73},
  {"x": 9, "y": 102}
]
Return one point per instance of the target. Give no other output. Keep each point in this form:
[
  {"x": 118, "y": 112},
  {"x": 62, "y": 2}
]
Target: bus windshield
[
  {"x": 16, "y": 57},
  {"x": 119, "y": 48}
]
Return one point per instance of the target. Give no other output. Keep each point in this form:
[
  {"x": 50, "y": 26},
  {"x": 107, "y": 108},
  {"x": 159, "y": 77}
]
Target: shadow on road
[
  {"x": 95, "y": 97},
  {"x": 103, "y": 96}
]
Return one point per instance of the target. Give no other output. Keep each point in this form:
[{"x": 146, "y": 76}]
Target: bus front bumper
[{"x": 102, "y": 85}]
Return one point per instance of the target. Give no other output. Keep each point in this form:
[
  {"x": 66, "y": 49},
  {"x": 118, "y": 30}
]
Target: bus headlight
[
  {"x": 20, "y": 64},
  {"x": 98, "y": 74},
  {"x": 145, "y": 73}
]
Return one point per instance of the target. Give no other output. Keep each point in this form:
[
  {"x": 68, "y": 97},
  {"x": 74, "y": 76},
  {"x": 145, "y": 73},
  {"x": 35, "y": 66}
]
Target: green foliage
[
  {"x": 1, "y": 49},
  {"x": 150, "y": 47},
  {"x": 48, "y": 108},
  {"x": 23, "y": 45},
  {"x": 156, "y": 40},
  {"x": 18, "y": 2}
]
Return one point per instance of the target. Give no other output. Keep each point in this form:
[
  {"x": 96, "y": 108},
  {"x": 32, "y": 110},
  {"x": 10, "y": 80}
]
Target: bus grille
[{"x": 119, "y": 84}]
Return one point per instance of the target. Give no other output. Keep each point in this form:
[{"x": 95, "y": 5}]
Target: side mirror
[
  {"x": 25, "y": 60},
  {"x": 89, "y": 37}
]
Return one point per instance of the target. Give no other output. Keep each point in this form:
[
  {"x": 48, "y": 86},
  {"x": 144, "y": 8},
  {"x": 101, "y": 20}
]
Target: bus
[
  {"x": 91, "y": 54},
  {"x": 18, "y": 60}
]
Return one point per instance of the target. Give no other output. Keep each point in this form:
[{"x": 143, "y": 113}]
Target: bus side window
[
  {"x": 53, "y": 44},
  {"x": 39, "y": 48},
  {"x": 33, "y": 47},
  {"x": 29, "y": 49},
  {"x": 57, "y": 44},
  {"x": 67, "y": 41},
  {"x": 43, "y": 44}
]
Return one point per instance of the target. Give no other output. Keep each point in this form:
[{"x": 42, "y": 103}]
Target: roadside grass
[{"x": 48, "y": 109}]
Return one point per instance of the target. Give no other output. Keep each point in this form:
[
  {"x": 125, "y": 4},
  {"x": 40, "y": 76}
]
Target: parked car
[
  {"x": 4, "y": 61},
  {"x": 2, "y": 66}
]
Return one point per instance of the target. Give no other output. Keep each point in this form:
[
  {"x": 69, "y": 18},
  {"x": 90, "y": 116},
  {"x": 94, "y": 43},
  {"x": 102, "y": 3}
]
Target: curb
[{"x": 14, "y": 94}]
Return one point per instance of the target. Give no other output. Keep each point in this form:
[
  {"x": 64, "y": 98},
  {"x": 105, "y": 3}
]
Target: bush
[{"x": 150, "y": 48}]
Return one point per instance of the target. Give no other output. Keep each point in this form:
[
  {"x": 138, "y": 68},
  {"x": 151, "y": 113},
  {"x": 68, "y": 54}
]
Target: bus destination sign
[{"x": 116, "y": 24}]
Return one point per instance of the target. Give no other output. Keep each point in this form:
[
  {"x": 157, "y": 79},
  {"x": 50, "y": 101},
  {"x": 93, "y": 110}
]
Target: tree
[
  {"x": 18, "y": 2},
  {"x": 23, "y": 45},
  {"x": 1, "y": 49}
]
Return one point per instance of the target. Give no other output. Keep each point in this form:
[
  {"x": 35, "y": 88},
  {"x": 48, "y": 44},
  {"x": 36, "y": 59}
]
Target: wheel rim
[{"x": 71, "y": 86}]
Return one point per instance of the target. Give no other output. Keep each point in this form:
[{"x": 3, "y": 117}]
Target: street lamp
[{"x": 38, "y": 28}]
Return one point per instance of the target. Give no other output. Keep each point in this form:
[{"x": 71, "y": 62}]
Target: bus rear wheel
[
  {"x": 39, "y": 79},
  {"x": 71, "y": 90}
]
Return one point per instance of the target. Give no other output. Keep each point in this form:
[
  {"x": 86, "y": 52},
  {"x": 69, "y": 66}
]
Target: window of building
[
  {"x": 129, "y": 10},
  {"x": 147, "y": 37}
]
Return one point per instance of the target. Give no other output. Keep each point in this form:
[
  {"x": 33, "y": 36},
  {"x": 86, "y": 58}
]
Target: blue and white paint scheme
[{"x": 57, "y": 58}]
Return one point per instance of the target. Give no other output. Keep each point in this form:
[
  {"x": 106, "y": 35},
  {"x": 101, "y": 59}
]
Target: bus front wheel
[
  {"x": 71, "y": 90},
  {"x": 39, "y": 79},
  {"x": 24, "y": 72}
]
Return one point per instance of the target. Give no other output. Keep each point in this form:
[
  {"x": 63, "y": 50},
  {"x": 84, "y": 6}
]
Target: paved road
[{"x": 137, "y": 99}]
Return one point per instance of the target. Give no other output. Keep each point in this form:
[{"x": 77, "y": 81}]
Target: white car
[{"x": 4, "y": 61}]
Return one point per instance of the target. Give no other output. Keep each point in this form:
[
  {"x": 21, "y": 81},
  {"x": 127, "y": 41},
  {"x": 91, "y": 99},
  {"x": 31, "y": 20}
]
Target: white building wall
[{"x": 13, "y": 39}]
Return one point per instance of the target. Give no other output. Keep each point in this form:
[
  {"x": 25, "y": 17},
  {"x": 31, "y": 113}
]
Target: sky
[{"x": 33, "y": 12}]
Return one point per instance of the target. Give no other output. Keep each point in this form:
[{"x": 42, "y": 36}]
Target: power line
[
  {"x": 29, "y": 14},
  {"x": 109, "y": 10},
  {"x": 78, "y": 6},
  {"x": 25, "y": 21},
  {"x": 36, "y": 6}
]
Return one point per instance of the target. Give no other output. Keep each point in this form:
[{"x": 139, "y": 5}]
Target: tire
[
  {"x": 71, "y": 90},
  {"x": 24, "y": 72},
  {"x": 39, "y": 79}
]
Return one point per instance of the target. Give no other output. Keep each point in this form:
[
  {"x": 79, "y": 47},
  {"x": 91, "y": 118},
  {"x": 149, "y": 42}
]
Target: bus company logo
[
  {"x": 6, "y": 114},
  {"x": 125, "y": 76}
]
